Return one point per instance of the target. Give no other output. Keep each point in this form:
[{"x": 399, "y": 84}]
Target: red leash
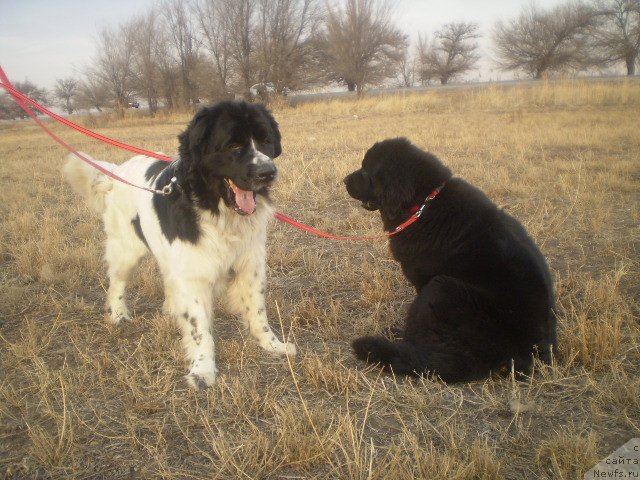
[
  {"x": 21, "y": 99},
  {"x": 416, "y": 212},
  {"x": 320, "y": 233},
  {"x": 25, "y": 101}
]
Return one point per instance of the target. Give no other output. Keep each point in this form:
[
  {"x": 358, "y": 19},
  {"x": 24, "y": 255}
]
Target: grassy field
[{"x": 81, "y": 399}]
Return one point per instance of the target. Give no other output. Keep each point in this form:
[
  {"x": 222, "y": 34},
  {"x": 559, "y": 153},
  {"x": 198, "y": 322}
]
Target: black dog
[{"x": 484, "y": 292}]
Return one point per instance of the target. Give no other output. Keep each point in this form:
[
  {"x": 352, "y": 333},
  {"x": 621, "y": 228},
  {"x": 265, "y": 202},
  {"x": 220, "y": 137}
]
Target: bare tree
[
  {"x": 284, "y": 32},
  {"x": 267, "y": 41},
  {"x": 617, "y": 35},
  {"x": 452, "y": 51},
  {"x": 169, "y": 82},
  {"x": 240, "y": 21},
  {"x": 183, "y": 38},
  {"x": 66, "y": 90},
  {"x": 148, "y": 46},
  {"x": 360, "y": 45},
  {"x": 92, "y": 93},
  {"x": 112, "y": 68},
  {"x": 10, "y": 109},
  {"x": 407, "y": 69},
  {"x": 541, "y": 41},
  {"x": 422, "y": 48},
  {"x": 215, "y": 31},
  {"x": 6, "y": 106}
]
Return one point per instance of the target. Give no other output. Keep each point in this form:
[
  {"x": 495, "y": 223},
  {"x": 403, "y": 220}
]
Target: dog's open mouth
[{"x": 243, "y": 201}]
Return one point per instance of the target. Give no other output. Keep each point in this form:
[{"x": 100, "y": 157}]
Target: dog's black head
[
  {"x": 227, "y": 152},
  {"x": 395, "y": 176}
]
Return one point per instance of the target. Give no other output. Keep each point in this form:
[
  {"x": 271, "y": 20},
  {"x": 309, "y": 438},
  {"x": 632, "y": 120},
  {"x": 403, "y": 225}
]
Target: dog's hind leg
[
  {"x": 400, "y": 357},
  {"x": 123, "y": 252},
  {"x": 445, "y": 328},
  {"x": 428, "y": 358}
]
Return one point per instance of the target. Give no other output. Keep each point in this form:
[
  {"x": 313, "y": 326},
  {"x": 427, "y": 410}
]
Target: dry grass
[{"x": 81, "y": 399}]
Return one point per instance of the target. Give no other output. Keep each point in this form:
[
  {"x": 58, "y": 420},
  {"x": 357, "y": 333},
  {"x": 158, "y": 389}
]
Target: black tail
[
  {"x": 400, "y": 357},
  {"x": 405, "y": 358}
]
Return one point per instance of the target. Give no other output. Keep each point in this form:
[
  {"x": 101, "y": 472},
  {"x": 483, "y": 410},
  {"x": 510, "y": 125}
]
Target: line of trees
[{"x": 180, "y": 53}]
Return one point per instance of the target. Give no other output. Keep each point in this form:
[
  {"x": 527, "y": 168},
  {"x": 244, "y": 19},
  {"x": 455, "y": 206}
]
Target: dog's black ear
[
  {"x": 275, "y": 131},
  {"x": 277, "y": 140},
  {"x": 193, "y": 137}
]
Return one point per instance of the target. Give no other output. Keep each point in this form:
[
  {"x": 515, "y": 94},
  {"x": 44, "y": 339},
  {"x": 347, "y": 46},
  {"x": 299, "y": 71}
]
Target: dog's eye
[
  {"x": 367, "y": 178},
  {"x": 235, "y": 147}
]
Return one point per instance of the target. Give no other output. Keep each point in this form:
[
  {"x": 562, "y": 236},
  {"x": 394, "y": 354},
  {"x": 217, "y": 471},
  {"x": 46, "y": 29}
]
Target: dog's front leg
[
  {"x": 192, "y": 307},
  {"x": 246, "y": 298}
]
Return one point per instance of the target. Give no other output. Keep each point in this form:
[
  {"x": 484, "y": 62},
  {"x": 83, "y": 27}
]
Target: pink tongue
[{"x": 244, "y": 200}]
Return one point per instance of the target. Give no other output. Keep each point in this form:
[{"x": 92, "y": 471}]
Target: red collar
[
  {"x": 416, "y": 211},
  {"x": 415, "y": 215},
  {"x": 420, "y": 208}
]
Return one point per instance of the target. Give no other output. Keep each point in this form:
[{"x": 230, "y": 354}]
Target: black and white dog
[
  {"x": 484, "y": 293},
  {"x": 208, "y": 235}
]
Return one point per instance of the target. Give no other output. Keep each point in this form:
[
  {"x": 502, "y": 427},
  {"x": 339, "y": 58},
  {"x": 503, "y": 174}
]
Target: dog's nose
[{"x": 266, "y": 172}]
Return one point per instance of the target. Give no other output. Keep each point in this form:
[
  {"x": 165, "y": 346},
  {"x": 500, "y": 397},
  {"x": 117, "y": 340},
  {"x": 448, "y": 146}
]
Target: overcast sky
[{"x": 44, "y": 40}]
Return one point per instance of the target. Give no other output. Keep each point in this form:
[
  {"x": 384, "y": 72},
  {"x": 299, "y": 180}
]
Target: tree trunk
[
  {"x": 153, "y": 104},
  {"x": 121, "y": 105},
  {"x": 631, "y": 65},
  {"x": 351, "y": 86}
]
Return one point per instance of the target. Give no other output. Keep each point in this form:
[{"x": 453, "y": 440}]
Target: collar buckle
[{"x": 168, "y": 189}]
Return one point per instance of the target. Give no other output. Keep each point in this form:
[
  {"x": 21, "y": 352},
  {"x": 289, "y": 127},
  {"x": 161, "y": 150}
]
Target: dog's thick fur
[
  {"x": 484, "y": 292},
  {"x": 208, "y": 236}
]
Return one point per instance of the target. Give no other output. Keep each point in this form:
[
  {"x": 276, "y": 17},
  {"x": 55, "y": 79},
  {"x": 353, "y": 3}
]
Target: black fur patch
[
  {"x": 154, "y": 170},
  {"x": 138, "y": 229},
  {"x": 176, "y": 213}
]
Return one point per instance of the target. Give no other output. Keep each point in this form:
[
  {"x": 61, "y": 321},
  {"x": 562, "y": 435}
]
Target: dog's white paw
[
  {"x": 118, "y": 315},
  {"x": 201, "y": 380},
  {"x": 279, "y": 348},
  {"x": 289, "y": 349},
  {"x": 202, "y": 374}
]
